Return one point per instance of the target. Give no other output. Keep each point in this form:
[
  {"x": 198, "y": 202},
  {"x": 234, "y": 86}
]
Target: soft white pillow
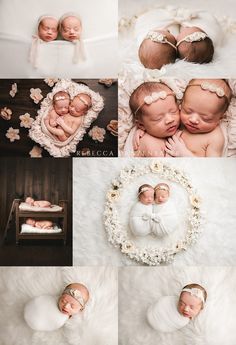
[{"x": 42, "y": 314}]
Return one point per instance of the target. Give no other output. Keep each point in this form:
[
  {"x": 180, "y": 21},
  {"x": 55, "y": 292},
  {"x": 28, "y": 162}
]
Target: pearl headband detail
[
  {"x": 153, "y": 97},
  {"x": 158, "y": 37},
  {"x": 196, "y": 293},
  {"x": 206, "y": 86},
  {"x": 144, "y": 189},
  {"x": 194, "y": 37},
  {"x": 76, "y": 294},
  {"x": 59, "y": 98}
]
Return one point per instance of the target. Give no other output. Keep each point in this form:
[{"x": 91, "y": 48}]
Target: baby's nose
[
  {"x": 186, "y": 308},
  {"x": 169, "y": 118},
  {"x": 194, "y": 118}
]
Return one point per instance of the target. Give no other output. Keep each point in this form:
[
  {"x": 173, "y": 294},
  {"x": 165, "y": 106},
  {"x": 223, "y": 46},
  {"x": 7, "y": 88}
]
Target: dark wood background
[
  {"x": 49, "y": 179},
  {"x": 22, "y": 103}
]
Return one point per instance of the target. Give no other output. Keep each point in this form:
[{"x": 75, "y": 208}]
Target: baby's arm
[
  {"x": 53, "y": 118},
  {"x": 64, "y": 126},
  {"x": 216, "y": 144},
  {"x": 175, "y": 147},
  {"x": 150, "y": 147},
  {"x": 53, "y": 130}
]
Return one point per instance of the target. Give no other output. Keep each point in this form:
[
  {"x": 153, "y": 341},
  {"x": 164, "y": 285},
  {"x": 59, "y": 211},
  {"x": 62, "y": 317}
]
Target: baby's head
[
  {"x": 29, "y": 201},
  {"x": 80, "y": 104},
  {"x": 204, "y": 103},
  {"x": 191, "y": 300},
  {"x": 70, "y": 27},
  {"x": 194, "y": 45},
  {"x": 157, "y": 49},
  {"x": 146, "y": 194},
  {"x": 73, "y": 299},
  {"x": 155, "y": 109},
  {"x": 30, "y": 221},
  {"x": 47, "y": 28},
  {"x": 162, "y": 193},
  {"x": 61, "y": 101}
]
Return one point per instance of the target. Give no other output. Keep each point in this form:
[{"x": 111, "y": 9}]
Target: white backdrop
[{"x": 214, "y": 179}]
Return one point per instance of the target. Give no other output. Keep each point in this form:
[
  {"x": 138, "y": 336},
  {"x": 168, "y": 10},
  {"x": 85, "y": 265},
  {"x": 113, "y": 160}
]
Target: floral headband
[
  {"x": 162, "y": 187},
  {"x": 194, "y": 37},
  {"x": 206, "y": 86},
  {"x": 76, "y": 294},
  {"x": 83, "y": 100},
  {"x": 158, "y": 37},
  {"x": 196, "y": 293},
  {"x": 59, "y": 98},
  {"x": 153, "y": 97},
  {"x": 144, "y": 189}
]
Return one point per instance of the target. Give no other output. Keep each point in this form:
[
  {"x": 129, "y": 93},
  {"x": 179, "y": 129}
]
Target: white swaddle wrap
[
  {"x": 163, "y": 315},
  {"x": 42, "y": 314},
  {"x": 209, "y": 24},
  {"x": 165, "y": 219},
  {"x": 158, "y": 18},
  {"x": 140, "y": 218}
]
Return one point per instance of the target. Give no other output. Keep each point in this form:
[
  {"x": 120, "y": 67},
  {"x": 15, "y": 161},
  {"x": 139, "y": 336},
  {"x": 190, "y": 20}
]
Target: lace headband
[
  {"x": 206, "y": 86},
  {"x": 76, "y": 294},
  {"x": 84, "y": 101},
  {"x": 162, "y": 187},
  {"x": 195, "y": 292},
  {"x": 153, "y": 97},
  {"x": 158, "y": 37},
  {"x": 144, "y": 189},
  {"x": 194, "y": 37},
  {"x": 59, "y": 98}
]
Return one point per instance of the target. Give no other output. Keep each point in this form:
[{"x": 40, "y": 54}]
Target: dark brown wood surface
[
  {"x": 44, "y": 179},
  {"x": 22, "y": 103}
]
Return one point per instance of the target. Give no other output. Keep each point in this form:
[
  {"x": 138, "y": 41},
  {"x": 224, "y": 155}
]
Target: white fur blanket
[
  {"x": 28, "y": 229},
  {"x": 140, "y": 287},
  {"x": 213, "y": 178},
  {"x": 26, "y": 207},
  {"x": 96, "y": 325}
]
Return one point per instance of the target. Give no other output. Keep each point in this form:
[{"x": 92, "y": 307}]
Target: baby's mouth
[
  {"x": 191, "y": 127},
  {"x": 172, "y": 128}
]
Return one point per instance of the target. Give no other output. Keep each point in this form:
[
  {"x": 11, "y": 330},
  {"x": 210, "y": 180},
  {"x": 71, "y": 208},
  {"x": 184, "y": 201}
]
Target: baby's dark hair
[
  {"x": 197, "y": 286},
  {"x": 155, "y": 55},
  {"x": 198, "y": 52},
  {"x": 143, "y": 90}
]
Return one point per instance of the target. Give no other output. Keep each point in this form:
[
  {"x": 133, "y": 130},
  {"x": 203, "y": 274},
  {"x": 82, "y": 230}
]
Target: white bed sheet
[{"x": 28, "y": 229}]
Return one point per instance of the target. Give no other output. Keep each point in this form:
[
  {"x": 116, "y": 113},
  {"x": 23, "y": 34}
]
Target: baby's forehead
[
  {"x": 188, "y": 298},
  {"x": 68, "y": 298},
  {"x": 71, "y": 20},
  {"x": 49, "y": 20}
]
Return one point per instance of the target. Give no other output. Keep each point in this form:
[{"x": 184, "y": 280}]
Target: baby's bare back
[
  {"x": 205, "y": 144},
  {"x": 42, "y": 203}
]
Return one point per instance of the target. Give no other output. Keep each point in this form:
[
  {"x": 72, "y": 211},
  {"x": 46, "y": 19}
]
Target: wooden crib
[{"x": 61, "y": 216}]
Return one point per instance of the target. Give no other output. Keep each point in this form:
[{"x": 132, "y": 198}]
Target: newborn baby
[
  {"x": 69, "y": 123},
  {"x": 39, "y": 203},
  {"x": 202, "y": 135},
  {"x": 47, "y": 28},
  {"x": 165, "y": 218},
  {"x": 169, "y": 313},
  {"x": 141, "y": 212},
  {"x": 41, "y": 224},
  {"x": 48, "y": 313},
  {"x": 60, "y": 101},
  {"x": 156, "y": 113}
]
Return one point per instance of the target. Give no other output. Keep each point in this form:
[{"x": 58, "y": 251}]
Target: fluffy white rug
[
  {"x": 213, "y": 178},
  {"x": 97, "y": 325},
  {"x": 139, "y": 287}
]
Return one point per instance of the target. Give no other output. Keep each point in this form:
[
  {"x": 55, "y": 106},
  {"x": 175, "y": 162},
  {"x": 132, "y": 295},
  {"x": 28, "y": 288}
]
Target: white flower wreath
[{"x": 118, "y": 236}]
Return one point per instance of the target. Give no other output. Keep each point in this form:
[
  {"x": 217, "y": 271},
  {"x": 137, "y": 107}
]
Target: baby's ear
[{"x": 139, "y": 124}]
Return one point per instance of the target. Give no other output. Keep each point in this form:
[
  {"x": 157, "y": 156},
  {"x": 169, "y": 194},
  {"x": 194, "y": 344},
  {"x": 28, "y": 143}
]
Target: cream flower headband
[
  {"x": 196, "y": 293},
  {"x": 206, "y": 86},
  {"x": 158, "y": 37},
  {"x": 144, "y": 189},
  {"x": 153, "y": 97},
  {"x": 194, "y": 37},
  {"x": 76, "y": 294},
  {"x": 162, "y": 187}
]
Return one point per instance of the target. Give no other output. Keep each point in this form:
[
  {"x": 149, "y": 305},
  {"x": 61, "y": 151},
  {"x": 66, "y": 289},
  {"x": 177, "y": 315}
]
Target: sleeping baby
[
  {"x": 39, "y": 203},
  {"x": 48, "y": 313},
  {"x": 41, "y": 224},
  {"x": 68, "y": 123},
  {"x": 171, "y": 313}
]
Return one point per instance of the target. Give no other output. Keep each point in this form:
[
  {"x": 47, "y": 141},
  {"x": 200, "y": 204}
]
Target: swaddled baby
[
  {"x": 141, "y": 212},
  {"x": 171, "y": 313},
  {"x": 165, "y": 218},
  {"x": 48, "y": 313}
]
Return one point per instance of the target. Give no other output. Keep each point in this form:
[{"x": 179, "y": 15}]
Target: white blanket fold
[
  {"x": 26, "y": 207},
  {"x": 28, "y": 229}
]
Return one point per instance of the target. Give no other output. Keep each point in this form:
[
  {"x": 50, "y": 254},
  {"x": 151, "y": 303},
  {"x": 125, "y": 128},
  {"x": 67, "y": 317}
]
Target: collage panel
[
  {"x": 58, "y": 305},
  {"x": 58, "y": 117},
  {"x": 36, "y": 212},
  {"x": 172, "y": 305},
  {"x": 61, "y": 38},
  {"x": 152, "y": 212}
]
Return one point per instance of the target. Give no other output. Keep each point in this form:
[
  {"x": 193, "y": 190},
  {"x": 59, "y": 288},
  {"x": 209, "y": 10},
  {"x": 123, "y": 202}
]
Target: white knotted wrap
[
  {"x": 42, "y": 314},
  {"x": 140, "y": 219},
  {"x": 36, "y": 41},
  {"x": 79, "y": 50},
  {"x": 163, "y": 315},
  {"x": 165, "y": 219}
]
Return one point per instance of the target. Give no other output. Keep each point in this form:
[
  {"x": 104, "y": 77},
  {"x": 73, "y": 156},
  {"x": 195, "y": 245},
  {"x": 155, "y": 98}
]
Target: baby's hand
[
  {"x": 136, "y": 139},
  {"x": 53, "y": 123},
  {"x": 175, "y": 146},
  {"x": 60, "y": 121}
]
